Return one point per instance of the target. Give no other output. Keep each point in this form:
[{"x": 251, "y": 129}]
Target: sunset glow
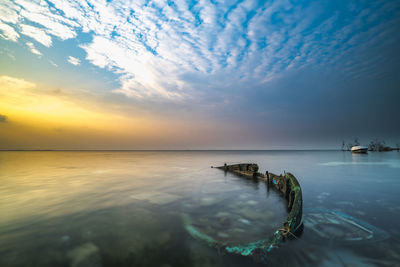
[{"x": 196, "y": 75}]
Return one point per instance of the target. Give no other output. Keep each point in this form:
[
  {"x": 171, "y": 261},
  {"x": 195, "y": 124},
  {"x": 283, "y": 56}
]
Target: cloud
[
  {"x": 74, "y": 61},
  {"x": 8, "y": 32},
  {"x": 154, "y": 46},
  {"x": 52, "y": 63},
  {"x": 139, "y": 71},
  {"x": 9, "y": 12},
  {"x": 36, "y": 33},
  {"x": 38, "y": 113},
  {"x": 11, "y": 83},
  {"x": 53, "y": 24},
  {"x": 3, "y": 118},
  {"x": 33, "y": 49}
]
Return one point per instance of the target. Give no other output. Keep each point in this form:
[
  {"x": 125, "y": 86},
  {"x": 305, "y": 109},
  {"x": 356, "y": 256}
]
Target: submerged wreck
[
  {"x": 324, "y": 226},
  {"x": 288, "y": 186},
  {"x": 336, "y": 226}
]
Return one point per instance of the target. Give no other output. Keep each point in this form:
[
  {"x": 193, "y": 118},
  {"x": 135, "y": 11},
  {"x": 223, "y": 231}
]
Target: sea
[{"x": 163, "y": 208}]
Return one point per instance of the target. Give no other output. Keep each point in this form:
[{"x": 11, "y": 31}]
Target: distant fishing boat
[{"x": 359, "y": 149}]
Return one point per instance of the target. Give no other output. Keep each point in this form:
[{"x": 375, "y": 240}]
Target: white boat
[{"x": 359, "y": 149}]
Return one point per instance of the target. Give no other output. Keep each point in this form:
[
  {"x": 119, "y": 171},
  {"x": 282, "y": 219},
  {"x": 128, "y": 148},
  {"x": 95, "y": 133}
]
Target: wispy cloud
[
  {"x": 52, "y": 63},
  {"x": 32, "y": 48},
  {"x": 74, "y": 61}
]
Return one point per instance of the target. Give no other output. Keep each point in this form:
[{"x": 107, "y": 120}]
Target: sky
[{"x": 198, "y": 74}]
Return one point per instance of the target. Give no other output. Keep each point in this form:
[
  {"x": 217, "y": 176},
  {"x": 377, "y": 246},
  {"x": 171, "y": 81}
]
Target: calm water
[{"x": 128, "y": 208}]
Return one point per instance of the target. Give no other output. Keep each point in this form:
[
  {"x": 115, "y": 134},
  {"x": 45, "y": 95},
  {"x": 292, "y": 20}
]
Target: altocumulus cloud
[{"x": 154, "y": 46}]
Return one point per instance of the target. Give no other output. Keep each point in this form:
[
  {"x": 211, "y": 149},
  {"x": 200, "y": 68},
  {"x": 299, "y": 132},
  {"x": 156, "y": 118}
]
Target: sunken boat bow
[{"x": 290, "y": 189}]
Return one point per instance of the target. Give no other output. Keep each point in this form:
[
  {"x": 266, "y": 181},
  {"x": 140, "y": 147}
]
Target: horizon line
[{"x": 150, "y": 150}]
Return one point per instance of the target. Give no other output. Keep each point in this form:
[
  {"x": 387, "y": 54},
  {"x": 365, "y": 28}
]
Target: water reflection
[{"x": 126, "y": 208}]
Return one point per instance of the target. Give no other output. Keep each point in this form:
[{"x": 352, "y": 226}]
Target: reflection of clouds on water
[{"x": 390, "y": 163}]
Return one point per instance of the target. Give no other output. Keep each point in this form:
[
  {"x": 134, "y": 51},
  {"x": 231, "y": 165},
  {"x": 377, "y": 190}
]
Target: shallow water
[{"x": 127, "y": 208}]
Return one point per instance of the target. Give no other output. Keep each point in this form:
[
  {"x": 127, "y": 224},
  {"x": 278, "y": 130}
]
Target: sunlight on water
[
  {"x": 127, "y": 208},
  {"x": 389, "y": 163}
]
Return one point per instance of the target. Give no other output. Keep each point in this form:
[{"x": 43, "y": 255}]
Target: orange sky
[
  {"x": 40, "y": 118},
  {"x": 253, "y": 75}
]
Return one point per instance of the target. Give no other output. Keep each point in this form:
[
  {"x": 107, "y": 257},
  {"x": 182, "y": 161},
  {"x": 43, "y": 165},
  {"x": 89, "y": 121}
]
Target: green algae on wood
[{"x": 290, "y": 189}]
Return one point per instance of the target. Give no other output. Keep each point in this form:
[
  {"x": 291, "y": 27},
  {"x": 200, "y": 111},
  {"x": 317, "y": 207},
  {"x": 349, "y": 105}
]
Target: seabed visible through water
[{"x": 129, "y": 208}]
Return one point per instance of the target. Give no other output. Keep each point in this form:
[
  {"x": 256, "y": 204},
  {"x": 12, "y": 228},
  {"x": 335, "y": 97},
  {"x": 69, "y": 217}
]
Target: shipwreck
[{"x": 288, "y": 187}]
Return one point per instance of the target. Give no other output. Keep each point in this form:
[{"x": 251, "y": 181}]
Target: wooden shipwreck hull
[
  {"x": 290, "y": 189},
  {"x": 287, "y": 184}
]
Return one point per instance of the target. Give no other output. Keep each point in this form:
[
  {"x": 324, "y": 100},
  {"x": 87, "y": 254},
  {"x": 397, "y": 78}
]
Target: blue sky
[{"x": 289, "y": 74}]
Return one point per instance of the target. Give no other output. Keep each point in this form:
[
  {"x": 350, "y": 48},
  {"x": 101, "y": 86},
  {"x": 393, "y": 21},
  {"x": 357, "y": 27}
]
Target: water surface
[{"x": 127, "y": 208}]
